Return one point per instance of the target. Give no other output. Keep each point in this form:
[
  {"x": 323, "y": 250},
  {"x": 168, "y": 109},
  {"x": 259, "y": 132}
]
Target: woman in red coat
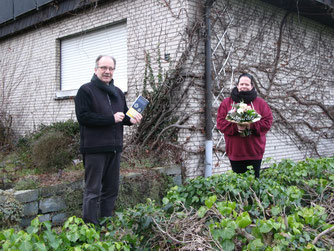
[{"x": 245, "y": 151}]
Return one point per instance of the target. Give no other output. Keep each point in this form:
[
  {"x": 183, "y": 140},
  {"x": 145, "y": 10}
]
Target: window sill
[{"x": 68, "y": 94}]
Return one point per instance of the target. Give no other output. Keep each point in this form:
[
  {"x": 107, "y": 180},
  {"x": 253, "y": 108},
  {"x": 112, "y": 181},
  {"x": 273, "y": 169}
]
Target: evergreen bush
[{"x": 51, "y": 151}]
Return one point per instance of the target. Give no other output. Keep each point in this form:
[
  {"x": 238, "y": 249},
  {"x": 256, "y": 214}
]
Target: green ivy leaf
[
  {"x": 275, "y": 210},
  {"x": 49, "y": 236},
  {"x": 243, "y": 220},
  {"x": 255, "y": 244},
  {"x": 56, "y": 244},
  {"x": 227, "y": 233},
  {"x": 210, "y": 201},
  {"x": 296, "y": 231},
  {"x": 73, "y": 236},
  {"x": 226, "y": 207},
  {"x": 256, "y": 232},
  {"x": 276, "y": 248},
  {"x": 40, "y": 247},
  {"x": 216, "y": 233},
  {"x": 25, "y": 246},
  {"x": 194, "y": 199},
  {"x": 265, "y": 227},
  {"x": 165, "y": 201},
  {"x": 202, "y": 211},
  {"x": 228, "y": 245}
]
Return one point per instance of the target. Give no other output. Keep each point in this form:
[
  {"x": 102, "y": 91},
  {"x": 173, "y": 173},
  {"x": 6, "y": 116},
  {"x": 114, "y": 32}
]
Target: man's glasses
[{"x": 105, "y": 68}]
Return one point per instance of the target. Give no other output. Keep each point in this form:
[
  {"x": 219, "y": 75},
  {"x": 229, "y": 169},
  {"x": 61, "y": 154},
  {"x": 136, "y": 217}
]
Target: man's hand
[
  {"x": 136, "y": 119},
  {"x": 119, "y": 116}
]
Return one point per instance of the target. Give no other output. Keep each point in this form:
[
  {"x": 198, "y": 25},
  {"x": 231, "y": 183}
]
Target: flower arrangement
[{"x": 243, "y": 114}]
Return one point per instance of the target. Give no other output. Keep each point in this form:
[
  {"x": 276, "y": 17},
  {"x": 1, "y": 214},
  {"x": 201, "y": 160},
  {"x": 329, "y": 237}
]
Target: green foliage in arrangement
[{"x": 286, "y": 209}]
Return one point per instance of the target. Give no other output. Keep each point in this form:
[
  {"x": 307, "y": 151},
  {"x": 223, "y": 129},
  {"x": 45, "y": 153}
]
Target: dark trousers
[
  {"x": 241, "y": 166},
  {"x": 101, "y": 185}
]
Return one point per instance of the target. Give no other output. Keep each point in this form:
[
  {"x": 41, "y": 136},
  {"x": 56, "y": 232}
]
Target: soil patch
[{"x": 69, "y": 176}]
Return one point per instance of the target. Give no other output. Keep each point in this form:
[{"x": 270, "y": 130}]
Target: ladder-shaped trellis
[{"x": 222, "y": 75}]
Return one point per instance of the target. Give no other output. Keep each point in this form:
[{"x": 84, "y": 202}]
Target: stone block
[
  {"x": 30, "y": 209},
  {"x": 53, "y": 204},
  {"x": 25, "y": 222},
  {"x": 52, "y": 190},
  {"x": 59, "y": 219},
  {"x": 44, "y": 217},
  {"x": 174, "y": 170},
  {"x": 26, "y": 195},
  {"x": 177, "y": 180},
  {"x": 77, "y": 185}
]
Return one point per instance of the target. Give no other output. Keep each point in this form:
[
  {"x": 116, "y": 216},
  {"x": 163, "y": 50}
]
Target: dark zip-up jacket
[{"x": 95, "y": 106}]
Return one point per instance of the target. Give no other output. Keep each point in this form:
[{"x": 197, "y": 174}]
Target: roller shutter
[{"x": 78, "y": 56}]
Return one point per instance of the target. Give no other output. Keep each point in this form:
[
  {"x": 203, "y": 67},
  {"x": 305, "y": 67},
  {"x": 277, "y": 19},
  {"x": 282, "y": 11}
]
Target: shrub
[
  {"x": 69, "y": 129},
  {"x": 7, "y": 135},
  {"x": 51, "y": 151}
]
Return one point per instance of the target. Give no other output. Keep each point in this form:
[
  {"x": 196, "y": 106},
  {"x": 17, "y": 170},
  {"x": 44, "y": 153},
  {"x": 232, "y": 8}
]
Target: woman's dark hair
[{"x": 248, "y": 76}]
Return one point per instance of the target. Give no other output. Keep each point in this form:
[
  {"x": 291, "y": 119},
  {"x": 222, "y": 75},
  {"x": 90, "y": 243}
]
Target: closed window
[{"x": 78, "y": 54}]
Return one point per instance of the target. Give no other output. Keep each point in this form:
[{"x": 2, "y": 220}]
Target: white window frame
[{"x": 79, "y": 52}]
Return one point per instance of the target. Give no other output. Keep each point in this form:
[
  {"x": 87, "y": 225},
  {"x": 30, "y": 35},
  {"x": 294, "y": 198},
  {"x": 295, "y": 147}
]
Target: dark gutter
[{"x": 208, "y": 92}]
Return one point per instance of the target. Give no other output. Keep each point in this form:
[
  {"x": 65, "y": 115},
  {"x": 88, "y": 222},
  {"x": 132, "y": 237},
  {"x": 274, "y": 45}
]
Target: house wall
[
  {"x": 31, "y": 60},
  {"x": 286, "y": 55},
  {"x": 31, "y": 64}
]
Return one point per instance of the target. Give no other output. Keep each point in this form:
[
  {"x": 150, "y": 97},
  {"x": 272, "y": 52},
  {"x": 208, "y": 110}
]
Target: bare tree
[{"x": 13, "y": 69}]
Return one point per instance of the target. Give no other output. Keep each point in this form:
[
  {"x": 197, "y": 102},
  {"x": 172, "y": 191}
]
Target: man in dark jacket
[{"x": 100, "y": 109}]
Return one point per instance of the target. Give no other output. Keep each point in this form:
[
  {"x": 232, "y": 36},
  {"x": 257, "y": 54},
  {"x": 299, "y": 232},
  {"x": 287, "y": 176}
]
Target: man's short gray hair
[{"x": 99, "y": 57}]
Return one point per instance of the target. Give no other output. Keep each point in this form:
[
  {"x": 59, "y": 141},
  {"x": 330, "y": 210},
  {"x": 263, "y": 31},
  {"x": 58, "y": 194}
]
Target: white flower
[
  {"x": 243, "y": 106},
  {"x": 240, "y": 111}
]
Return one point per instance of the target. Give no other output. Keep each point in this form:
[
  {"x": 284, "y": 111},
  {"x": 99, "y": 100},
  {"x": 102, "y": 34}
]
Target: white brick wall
[
  {"x": 30, "y": 62},
  {"x": 241, "y": 33}
]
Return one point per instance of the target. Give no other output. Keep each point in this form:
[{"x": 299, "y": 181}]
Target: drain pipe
[{"x": 208, "y": 92}]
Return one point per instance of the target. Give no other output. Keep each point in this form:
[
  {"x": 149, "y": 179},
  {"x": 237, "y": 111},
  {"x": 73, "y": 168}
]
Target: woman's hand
[{"x": 243, "y": 127}]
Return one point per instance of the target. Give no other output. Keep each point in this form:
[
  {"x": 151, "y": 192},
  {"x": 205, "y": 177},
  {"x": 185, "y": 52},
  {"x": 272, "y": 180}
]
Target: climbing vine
[{"x": 290, "y": 61}]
